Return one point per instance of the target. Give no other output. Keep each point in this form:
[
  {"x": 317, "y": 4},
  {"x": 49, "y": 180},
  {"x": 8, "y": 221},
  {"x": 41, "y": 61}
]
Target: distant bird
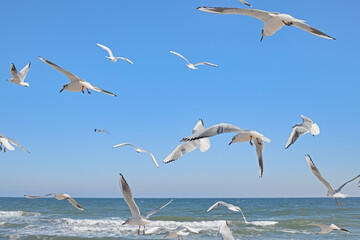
[
  {"x": 300, "y": 129},
  {"x": 273, "y": 21},
  {"x": 101, "y": 131},
  {"x": 59, "y": 196},
  {"x": 18, "y": 78},
  {"x": 76, "y": 84},
  {"x": 225, "y": 232},
  {"x": 246, "y": 3},
  {"x": 6, "y": 142},
  {"x": 331, "y": 192},
  {"x": 327, "y": 229},
  {"x": 203, "y": 144},
  {"x": 138, "y": 150},
  {"x": 229, "y": 206},
  {"x": 242, "y": 136},
  {"x": 111, "y": 56},
  {"x": 136, "y": 218},
  {"x": 192, "y": 66},
  {"x": 178, "y": 232}
]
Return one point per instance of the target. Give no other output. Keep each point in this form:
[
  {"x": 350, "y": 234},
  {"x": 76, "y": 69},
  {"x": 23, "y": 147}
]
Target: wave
[
  {"x": 263, "y": 223},
  {"x": 9, "y": 214}
]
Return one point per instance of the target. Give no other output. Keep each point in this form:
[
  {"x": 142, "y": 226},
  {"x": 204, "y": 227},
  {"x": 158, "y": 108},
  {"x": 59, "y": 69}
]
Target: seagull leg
[
  {"x": 139, "y": 230},
  {"x": 182, "y": 238},
  {"x": 336, "y": 202},
  {"x": 82, "y": 89},
  {"x": 341, "y": 202},
  {"x": 144, "y": 230},
  {"x": 88, "y": 91},
  {"x": 250, "y": 141},
  {"x": 258, "y": 141}
]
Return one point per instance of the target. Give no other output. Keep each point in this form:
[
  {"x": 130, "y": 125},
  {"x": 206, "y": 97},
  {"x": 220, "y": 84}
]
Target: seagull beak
[
  {"x": 62, "y": 90},
  {"x": 262, "y": 37},
  {"x": 230, "y": 143}
]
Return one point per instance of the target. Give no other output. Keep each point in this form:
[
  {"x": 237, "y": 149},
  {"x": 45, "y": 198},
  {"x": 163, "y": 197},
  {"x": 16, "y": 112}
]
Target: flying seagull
[
  {"x": 18, "y": 78},
  {"x": 178, "y": 232},
  {"x": 111, "y": 56},
  {"x": 6, "y": 142},
  {"x": 229, "y": 206},
  {"x": 246, "y": 3},
  {"x": 331, "y": 192},
  {"x": 192, "y": 66},
  {"x": 300, "y": 129},
  {"x": 136, "y": 218},
  {"x": 138, "y": 150},
  {"x": 203, "y": 144},
  {"x": 327, "y": 229},
  {"x": 59, "y": 196},
  {"x": 76, "y": 84},
  {"x": 273, "y": 21},
  {"x": 101, "y": 131},
  {"x": 242, "y": 136},
  {"x": 225, "y": 232}
]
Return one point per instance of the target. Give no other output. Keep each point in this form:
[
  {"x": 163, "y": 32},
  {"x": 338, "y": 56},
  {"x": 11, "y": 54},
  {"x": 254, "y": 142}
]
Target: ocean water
[{"x": 282, "y": 218}]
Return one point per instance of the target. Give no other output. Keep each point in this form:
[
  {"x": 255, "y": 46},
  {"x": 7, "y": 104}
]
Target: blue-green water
[{"x": 22, "y": 218}]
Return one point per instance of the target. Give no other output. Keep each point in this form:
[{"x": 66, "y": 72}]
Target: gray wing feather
[
  {"x": 102, "y": 90},
  {"x": 17, "y": 144},
  {"x": 156, "y": 210},
  {"x": 259, "y": 150},
  {"x": 125, "y": 189},
  {"x": 40, "y": 196},
  {"x": 295, "y": 134},
  {"x": 71, "y": 76},
  {"x": 182, "y": 149},
  {"x": 24, "y": 72},
  {"x": 74, "y": 203},
  {"x": 316, "y": 172},
  {"x": 312, "y": 30},
  {"x": 259, "y": 14},
  {"x": 213, "y": 131},
  {"x": 339, "y": 189}
]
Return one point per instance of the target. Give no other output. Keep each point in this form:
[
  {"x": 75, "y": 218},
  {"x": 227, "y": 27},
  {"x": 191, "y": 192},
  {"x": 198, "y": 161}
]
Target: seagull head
[{"x": 25, "y": 84}]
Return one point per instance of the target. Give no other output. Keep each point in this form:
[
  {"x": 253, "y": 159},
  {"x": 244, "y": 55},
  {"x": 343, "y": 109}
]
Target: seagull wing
[
  {"x": 73, "y": 202},
  {"x": 259, "y": 150},
  {"x": 5, "y": 141},
  {"x": 182, "y": 149},
  {"x": 192, "y": 230},
  {"x": 221, "y": 203},
  {"x": 127, "y": 60},
  {"x": 341, "y": 187},
  {"x": 13, "y": 71},
  {"x": 259, "y": 14},
  {"x": 24, "y": 72},
  {"x": 156, "y": 230},
  {"x": 125, "y": 189},
  {"x": 323, "y": 228},
  {"x": 156, "y": 210},
  {"x": 152, "y": 157},
  {"x": 199, "y": 126},
  {"x": 295, "y": 134},
  {"x": 102, "y": 90},
  {"x": 305, "y": 27},
  {"x": 206, "y": 63},
  {"x": 317, "y": 173},
  {"x": 124, "y": 144},
  {"x": 107, "y": 49},
  {"x": 71, "y": 76},
  {"x": 178, "y": 54},
  {"x": 246, "y": 3},
  {"x": 225, "y": 232},
  {"x": 17, "y": 144},
  {"x": 334, "y": 227},
  {"x": 213, "y": 131},
  {"x": 40, "y": 196}
]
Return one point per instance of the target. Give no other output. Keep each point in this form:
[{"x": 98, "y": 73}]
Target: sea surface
[{"x": 283, "y": 218}]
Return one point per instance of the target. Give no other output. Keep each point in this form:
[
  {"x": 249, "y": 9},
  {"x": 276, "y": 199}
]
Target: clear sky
[{"x": 258, "y": 86}]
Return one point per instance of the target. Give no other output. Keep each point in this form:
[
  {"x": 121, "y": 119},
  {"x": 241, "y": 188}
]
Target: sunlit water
[{"x": 22, "y": 218}]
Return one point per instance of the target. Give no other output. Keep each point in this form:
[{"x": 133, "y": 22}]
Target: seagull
[
  {"x": 300, "y": 129},
  {"x": 203, "y": 144},
  {"x": 178, "y": 232},
  {"x": 328, "y": 229},
  {"x": 192, "y": 66},
  {"x": 229, "y": 206},
  {"x": 111, "y": 56},
  {"x": 138, "y": 150},
  {"x": 273, "y": 21},
  {"x": 101, "y": 131},
  {"x": 331, "y": 192},
  {"x": 242, "y": 136},
  {"x": 136, "y": 218},
  {"x": 6, "y": 142},
  {"x": 225, "y": 232},
  {"x": 76, "y": 84},
  {"x": 246, "y": 3},
  {"x": 18, "y": 78},
  {"x": 59, "y": 196}
]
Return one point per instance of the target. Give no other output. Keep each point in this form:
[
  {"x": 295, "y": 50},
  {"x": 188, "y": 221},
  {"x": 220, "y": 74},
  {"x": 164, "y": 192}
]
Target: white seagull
[
  {"x": 273, "y": 21},
  {"x": 76, "y": 84},
  {"x": 246, "y": 3},
  {"x": 136, "y": 218},
  {"x": 331, "y": 192},
  {"x": 100, "y": 131},
  {"x": 192, "y": 66},
  {"x": 138, "y": 150},
  {"x": 203, "y": 144},
  {"x": 225, "y": 232},
  {"x": 18, "y": 78},
  {"x": 111, "y": 56},
  {"x": 59, "y": 196},
  {"x": 6, "y": 142},
  {"x": 242, "y": 136},
  {"x": 179, "y": 232},
  {"x": 300, "y": 129},
  {"x": 229, "y": 206},
  {"x": 327, "y": 229}
]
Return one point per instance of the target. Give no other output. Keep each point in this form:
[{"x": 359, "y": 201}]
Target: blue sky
[{"x": 259, "y": 86}]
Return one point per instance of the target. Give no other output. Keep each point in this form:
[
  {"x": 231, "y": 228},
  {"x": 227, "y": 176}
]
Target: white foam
[
  {"x": 263, "y": 223},
  {"x": 10, "y": 214}
]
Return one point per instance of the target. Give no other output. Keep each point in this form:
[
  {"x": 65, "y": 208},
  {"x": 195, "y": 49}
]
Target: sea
[{"x": 266, "y": 218}]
